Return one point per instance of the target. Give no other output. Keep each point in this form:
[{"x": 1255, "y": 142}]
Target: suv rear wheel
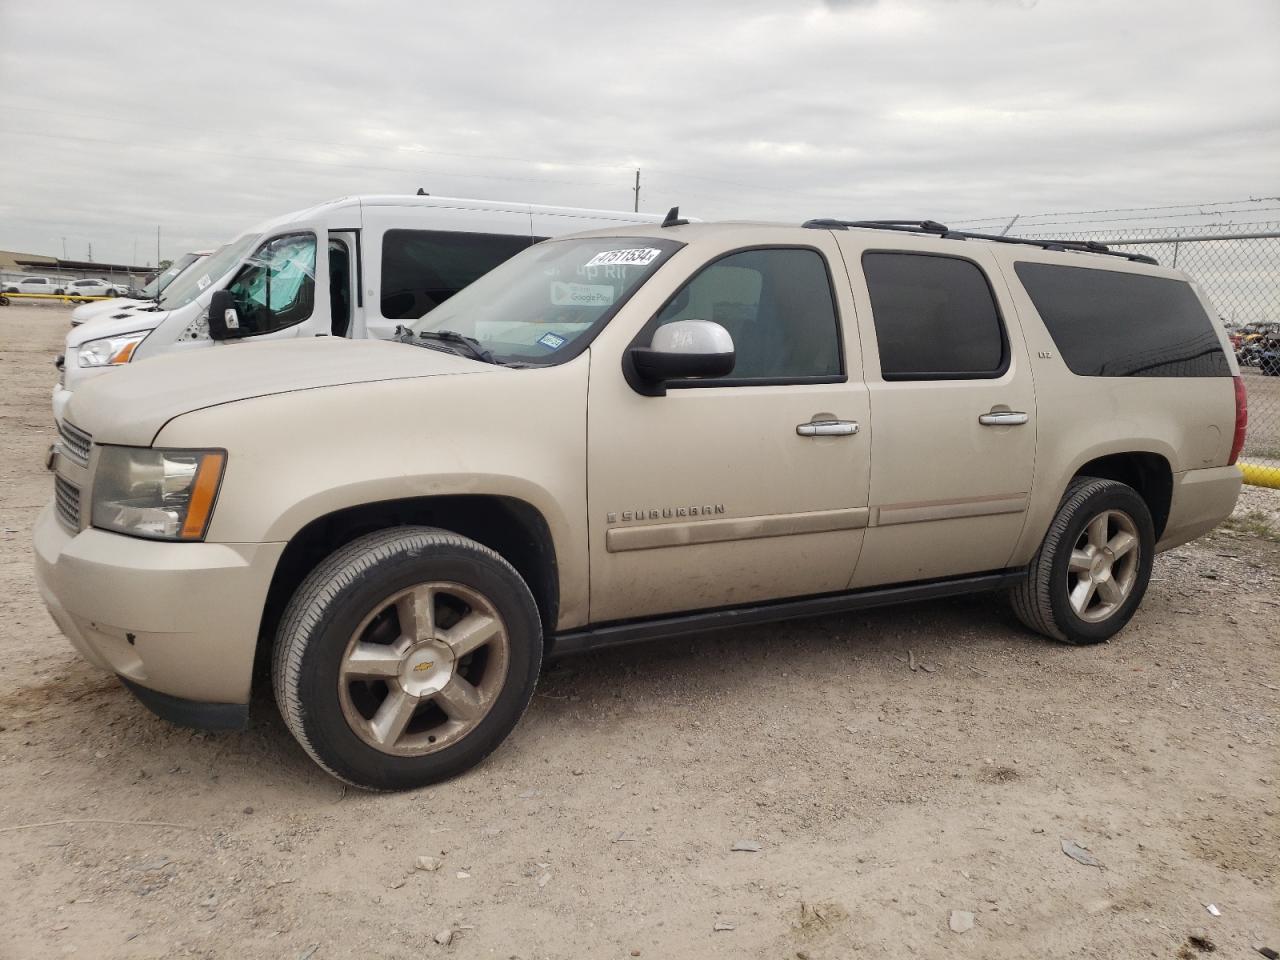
[
  {"x": 1092, "y": 569},
  {"x": 406, "y": 657}
]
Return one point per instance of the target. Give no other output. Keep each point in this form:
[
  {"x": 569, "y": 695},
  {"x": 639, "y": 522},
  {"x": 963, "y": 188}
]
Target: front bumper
[{"x": 175, "y": 619}]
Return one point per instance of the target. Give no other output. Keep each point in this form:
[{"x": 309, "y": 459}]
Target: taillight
[{"x": 1242, "y": 420}]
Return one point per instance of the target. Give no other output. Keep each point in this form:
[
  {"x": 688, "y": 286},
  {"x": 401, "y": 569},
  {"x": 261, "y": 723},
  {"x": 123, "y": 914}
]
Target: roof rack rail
[{"x": 933, "y": 228}]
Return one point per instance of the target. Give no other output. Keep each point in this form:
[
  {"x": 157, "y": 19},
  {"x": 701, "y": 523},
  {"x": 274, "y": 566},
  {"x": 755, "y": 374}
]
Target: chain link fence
[{"x": 1238, "y": 268}]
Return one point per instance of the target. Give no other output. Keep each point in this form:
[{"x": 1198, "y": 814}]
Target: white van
[
  {"x": 149, "y": 293},
  {"x": 355, "y": 267}
]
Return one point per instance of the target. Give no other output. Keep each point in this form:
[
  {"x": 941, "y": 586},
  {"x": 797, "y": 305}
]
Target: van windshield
[
  {"x": 192, "y": 283},
  {"x": 535, "y": 307},
  {"x": 161, "y": 281}
]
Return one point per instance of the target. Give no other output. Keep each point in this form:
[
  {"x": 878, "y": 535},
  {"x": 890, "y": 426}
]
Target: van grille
[
  {"x": 76, "y": 442},
  {"x": 67, "y": 497}
]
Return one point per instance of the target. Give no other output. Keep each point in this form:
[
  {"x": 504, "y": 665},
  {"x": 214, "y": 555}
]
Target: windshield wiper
[{"x": 470, "y": 346}]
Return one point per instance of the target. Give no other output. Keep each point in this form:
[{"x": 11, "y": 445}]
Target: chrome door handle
[
  {"x": 1003, "y": 418},
  {"x": 827, "y": 428}
]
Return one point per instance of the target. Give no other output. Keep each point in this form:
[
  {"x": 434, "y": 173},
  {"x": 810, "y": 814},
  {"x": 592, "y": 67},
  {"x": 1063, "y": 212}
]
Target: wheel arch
[
  {"x": 512, "y": 527},
  {"x": 1150, "y": 474}
]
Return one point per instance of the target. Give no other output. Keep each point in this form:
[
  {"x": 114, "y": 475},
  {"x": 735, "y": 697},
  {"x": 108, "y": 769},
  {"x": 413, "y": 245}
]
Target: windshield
[
  {"x": 162, "y": 280},
  {"x": 192, "y": 283},
  {"x": 534, "y": 307}
]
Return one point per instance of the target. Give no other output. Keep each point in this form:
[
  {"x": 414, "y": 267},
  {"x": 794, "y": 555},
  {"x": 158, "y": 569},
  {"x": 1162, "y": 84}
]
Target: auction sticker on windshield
[{"x": 633, "y": 256}]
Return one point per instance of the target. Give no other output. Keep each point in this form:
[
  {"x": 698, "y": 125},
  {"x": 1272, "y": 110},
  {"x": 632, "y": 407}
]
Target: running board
[{"x": 638, "y": 631}]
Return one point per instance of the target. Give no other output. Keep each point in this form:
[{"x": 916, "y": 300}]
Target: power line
[
  {"x": 1168, "y": 216},
  {"x": 1081, "y": 213}
]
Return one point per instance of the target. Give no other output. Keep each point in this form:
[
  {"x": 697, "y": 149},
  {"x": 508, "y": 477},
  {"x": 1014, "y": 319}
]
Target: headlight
[
  {"x": 110, "y": 351},
  {"x": 158, "y": 494}
]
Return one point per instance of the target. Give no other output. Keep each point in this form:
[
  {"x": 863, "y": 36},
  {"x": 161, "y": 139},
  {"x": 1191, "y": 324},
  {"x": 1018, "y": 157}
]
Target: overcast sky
[{"x": 204, "y": 118}]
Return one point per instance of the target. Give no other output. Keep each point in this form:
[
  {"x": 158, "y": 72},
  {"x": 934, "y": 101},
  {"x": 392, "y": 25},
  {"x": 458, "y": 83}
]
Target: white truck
[{"x": 373, "y": 263}]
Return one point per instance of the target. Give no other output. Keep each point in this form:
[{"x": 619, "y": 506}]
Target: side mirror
[
  {"x": 224, "y": 319},
  {"x": 684, "y": 350}
]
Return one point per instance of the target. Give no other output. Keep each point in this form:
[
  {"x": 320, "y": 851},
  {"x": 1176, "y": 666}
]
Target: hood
[
  {"x": 130, "y": 405},
  {"x": 114, "y": 323},
  {"x": 103, "y": 308}
]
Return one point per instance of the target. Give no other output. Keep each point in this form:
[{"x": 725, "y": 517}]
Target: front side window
[
  {"x": 935, "y": 318},
  {"x": 777, "y": 306},
  {"x": 1109, "y": 323},
  {"x": 276, "y": 288},
  {"x": 421, "y": 269},
  {"x": 543, "y": 305}
]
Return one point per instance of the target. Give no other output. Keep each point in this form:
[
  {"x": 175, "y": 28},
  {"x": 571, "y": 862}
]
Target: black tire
[
  {"x": 59, "y": 292},
  {"x": 335, "y": 599},
  {"x": 1042, "y": 600},
  {"x": 111, "y": 293}
]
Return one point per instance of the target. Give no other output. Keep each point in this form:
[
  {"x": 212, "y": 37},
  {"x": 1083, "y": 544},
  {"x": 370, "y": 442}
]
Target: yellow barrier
[
  {"x": 1257, "y": 475},
  {"x": 54, "y": 296}
]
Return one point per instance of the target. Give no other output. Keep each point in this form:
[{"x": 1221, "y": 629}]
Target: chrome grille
[
  {"x": 67, "y": 497},
  {"x": 75, "y": 442}
]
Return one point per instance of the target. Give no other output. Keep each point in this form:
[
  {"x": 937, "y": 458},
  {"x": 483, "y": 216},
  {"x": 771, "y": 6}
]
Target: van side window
[
  {"x": 935, "y": 318},
  {"x": 421, "y": 269},
  {"x": 778, "y": 307},
  {"x": 276, "y": 287},
  {"x": 1107, "y": 323}
]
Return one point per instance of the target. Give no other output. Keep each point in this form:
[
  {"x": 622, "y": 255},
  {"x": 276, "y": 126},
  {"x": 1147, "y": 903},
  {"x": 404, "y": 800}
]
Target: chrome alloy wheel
[
  {"x": 423, "y": 668},
  {"x": 1104, "y": 566}
]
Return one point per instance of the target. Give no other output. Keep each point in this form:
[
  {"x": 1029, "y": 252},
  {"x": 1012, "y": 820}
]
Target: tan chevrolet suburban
[{"x": 629, "y": 434}]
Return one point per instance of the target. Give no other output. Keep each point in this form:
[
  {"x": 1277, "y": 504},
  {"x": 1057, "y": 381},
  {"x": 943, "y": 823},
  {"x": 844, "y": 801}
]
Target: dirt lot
[{"x": 881, "y": 798}]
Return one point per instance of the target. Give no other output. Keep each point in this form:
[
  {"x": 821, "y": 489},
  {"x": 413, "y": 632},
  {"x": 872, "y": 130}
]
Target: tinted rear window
[
  {"x": 1111, "y": 324},
  {"x": 421, "y": 269}
]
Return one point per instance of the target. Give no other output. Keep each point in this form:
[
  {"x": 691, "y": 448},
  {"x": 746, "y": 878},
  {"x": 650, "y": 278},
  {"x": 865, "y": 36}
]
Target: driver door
[{"x": 281, "y": 290}]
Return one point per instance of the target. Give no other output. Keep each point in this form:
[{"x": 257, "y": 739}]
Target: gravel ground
[{"x": 881, "y": 805}]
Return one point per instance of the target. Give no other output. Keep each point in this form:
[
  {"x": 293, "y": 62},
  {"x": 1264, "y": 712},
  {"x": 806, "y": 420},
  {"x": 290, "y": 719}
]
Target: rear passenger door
[{"x": 953, "y": 417}]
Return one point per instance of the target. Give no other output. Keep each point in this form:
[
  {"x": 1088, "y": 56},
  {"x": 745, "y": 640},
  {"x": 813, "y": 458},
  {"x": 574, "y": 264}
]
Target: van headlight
[
  {"x": 109, "y": 351},
  {"x": 157, "y": 494}
]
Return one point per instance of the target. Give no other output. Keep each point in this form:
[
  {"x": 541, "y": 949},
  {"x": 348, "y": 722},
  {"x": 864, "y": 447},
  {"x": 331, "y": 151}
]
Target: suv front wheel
[
  {"x": 406, "y": 657},
  {"x": 1092, "y": 570}
]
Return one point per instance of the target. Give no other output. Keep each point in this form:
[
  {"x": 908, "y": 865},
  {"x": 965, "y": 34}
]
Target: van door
[
  {"x": 281, "y": 290},
  {"x": 345, "y": 301},
  {"x": 953, "y": 415}
]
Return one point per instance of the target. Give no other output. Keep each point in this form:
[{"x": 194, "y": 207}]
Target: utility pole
[
  {"x": 157, "y": 246},
  {"x": 636, "y": 191},
  {"x": 91, "y": 251},
  {"x": 64, "y": 248}
]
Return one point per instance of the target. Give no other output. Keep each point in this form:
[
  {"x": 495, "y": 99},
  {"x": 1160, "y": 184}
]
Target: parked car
[
  {"x": 144, "y": 298},
  {"x": 47, "y": 285},
  {"x": 369, "y": 264},
  {"x": 93, "y": 287},
  {"x": 1268, "y": 357},
  {"x": 630, "y": 433},
  {"x": 1249, "y": 350}
]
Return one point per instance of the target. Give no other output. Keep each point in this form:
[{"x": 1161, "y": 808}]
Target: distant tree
[{"x": 164, "y": 265}]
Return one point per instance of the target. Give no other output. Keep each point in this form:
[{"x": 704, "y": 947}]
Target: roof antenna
[
  {"x": 673, "y": 218},
  {"x": 422, "y": 193}
]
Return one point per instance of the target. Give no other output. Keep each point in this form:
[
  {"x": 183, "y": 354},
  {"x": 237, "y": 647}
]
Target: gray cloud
[{"x": 205, "y": 120}]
